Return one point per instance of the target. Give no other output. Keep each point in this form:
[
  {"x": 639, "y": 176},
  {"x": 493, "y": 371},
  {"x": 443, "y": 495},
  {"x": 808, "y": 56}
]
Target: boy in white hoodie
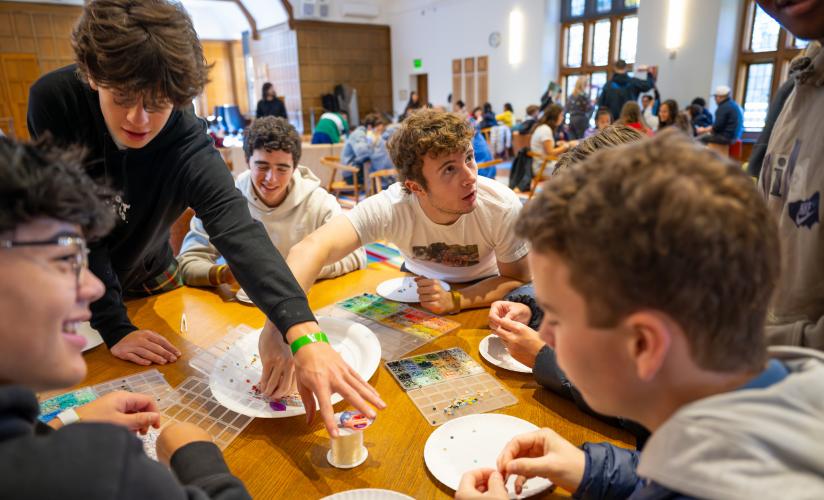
[
  {"x": 284, "y": 196},
  {"x": 654, "y": 263}
]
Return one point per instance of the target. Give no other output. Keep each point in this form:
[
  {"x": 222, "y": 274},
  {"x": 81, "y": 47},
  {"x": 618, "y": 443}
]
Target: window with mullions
[
  {"x": 629, "y": 39},
  {"x": 764, "y": 56},
  {"x": 574, "y": 46}
]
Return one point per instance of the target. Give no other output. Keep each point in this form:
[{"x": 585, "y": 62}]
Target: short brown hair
[
  {"x": 272, "y": 134},
  {"x": 144, "y": 47},
  {"x": 427, "y": 133},
  {"x": 667, "y": 225},
  {"x": 373, "y": 120},
  {"x": 614, "y": 135}
]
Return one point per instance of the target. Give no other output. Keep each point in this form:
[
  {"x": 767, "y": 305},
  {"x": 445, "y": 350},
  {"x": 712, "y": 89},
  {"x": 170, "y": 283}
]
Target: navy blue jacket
[
  {"x": 729, "y": 120},
  {"x": 621, "y": 89}
]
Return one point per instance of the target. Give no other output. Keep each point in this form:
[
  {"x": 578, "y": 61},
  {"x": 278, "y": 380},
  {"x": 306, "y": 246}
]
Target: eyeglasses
[{"x": 79, "y": 261}]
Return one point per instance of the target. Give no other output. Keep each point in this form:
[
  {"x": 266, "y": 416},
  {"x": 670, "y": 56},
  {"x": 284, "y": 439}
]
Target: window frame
[
  {"x": 618, "y": 8},
  {"x": 586, "y": 67},
  {"x": 780, "y": 58}
]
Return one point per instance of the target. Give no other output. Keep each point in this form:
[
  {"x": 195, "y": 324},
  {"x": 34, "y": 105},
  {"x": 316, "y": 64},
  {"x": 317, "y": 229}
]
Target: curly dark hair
[
  {"x": 614, "y": 135},
  {"x": 427, "y": 132},
  {"x": 667, "y": 225},
  {"x": 40, "y": 180},
  {"x": 146, "y": 47},
  {"x": 272, "y": 134}
]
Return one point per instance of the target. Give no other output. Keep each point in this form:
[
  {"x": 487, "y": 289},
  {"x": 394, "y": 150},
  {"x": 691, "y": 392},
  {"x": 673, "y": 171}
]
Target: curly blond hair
[{"x": 427, "y": 133}]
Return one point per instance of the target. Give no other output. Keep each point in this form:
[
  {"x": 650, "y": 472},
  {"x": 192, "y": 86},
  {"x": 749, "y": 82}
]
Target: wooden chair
[
  {"x": 538, "y": 178},
  {"x": 490, "y": 163},
  {"x": 376, "y": 179},
  {"x": 487, "y": 133},
  {"x": 179, "y": 230},
  {"x": 337, "y": 187}
]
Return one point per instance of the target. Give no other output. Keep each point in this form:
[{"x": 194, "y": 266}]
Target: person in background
[
  {"x": 331, "y": 128},
  {"x": 683, "y": 122},
  {"x": 667, "y": 114},
  {"x": 488, "y": 119},
  {"x": 603, "y": 119},
  {"x": 459, "y": 107},
  {"x": 413, "y": 105},
  {"x": 49, "y": 210},
  {"x": 270, "y": 104},
  {"x": 579, "y": 107},
  {"x": 622, "y": 88},
  {"x": 361, "y": 144},
  {"x": 642, "y": 338},
  {"x": 729, "y": 120},
  {"x": 551, "y": 95},
  {"x": 482, "y": 155},
  {"x": 651, "y": 104},
  {"x": 631, "y": 116},
  {"x": 543, "y": 141},
  {"x": 507, "y": 118},
  {"x": 283, "y": 195},
  {"x": 531, "y": 119},
  {"x": 701, "y": 117}
]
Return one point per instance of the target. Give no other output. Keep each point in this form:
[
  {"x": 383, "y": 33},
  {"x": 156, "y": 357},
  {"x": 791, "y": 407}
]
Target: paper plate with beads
[
  {"x": 235, "y": 372},
  {"x": 475, "y": 442}
]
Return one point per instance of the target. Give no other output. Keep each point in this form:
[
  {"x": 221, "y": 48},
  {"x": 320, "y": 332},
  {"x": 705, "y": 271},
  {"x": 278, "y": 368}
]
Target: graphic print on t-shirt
[{"x": 449, "y": 255}]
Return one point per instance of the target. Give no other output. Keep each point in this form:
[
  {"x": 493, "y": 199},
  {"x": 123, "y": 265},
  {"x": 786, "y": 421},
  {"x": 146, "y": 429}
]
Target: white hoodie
[
  {"x": 307, "y": 207},
  {"x": 746, "y": 444}
]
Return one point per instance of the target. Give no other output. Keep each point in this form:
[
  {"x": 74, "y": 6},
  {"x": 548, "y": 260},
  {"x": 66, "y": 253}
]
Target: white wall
[
  {"x": 439, "y": 31},
  {"x": 708, "y": 50}
]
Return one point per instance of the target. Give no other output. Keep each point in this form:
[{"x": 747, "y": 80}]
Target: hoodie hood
[
  {"x": 749, "y": 443},
  {"x": 301, "y": 187}
]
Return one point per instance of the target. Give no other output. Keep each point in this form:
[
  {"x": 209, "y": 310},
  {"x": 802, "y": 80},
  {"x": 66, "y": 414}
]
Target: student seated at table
[
  {"x": 654, "y": 263},
  {"x": 361, "y": 144},
  {"x": 283, "y": 195},
  {"x": 48, "y": 208},
  {"x": 331, "y": 128},
  {"x": 447, "y": 222},
  {"x": 603, "y": 119}
]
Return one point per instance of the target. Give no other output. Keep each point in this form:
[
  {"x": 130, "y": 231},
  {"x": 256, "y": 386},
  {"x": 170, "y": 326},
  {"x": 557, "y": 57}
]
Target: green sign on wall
[{"x": 417, "y": 63}]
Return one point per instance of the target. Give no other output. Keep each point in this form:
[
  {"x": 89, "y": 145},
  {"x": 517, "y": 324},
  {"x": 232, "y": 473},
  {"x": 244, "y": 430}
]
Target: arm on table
[
  {"x": 328, "y": 244},
  {"x": 351, "y": 262}
]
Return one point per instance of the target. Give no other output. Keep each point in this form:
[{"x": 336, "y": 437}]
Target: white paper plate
[
  {"x": 368, "y": 494},
  {"x": 403, "y": 289},
  {"x": 493, "y": 350},
  {"x": 474, "y": 442},
  {"x": 93, "y": 338},
  {"x": 242, "y": 297},
  {"x": 356, "y": 344}
]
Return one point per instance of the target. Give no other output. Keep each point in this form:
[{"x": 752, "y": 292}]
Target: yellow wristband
[{"x": 456, "y": 301}]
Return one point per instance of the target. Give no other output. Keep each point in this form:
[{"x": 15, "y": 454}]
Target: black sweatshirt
[
  {"x": 179, "y": 168},
  {"x": 91, "y": 461},
  {"x": 275, "y": 107}
]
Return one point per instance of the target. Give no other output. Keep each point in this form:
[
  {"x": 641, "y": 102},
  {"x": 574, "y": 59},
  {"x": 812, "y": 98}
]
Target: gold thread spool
[{"x": 347, "y": 449}]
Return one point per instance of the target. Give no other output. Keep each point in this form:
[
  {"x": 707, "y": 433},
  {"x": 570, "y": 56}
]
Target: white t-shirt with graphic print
[{"x": 465, "y": 250}]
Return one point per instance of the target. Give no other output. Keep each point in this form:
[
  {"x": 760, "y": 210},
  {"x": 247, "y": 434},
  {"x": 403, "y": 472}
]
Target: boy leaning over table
[
  {"x": 48, "y": 208},
  {"x": 654, "y": 266},
  {"x": 127, "y": 101}
]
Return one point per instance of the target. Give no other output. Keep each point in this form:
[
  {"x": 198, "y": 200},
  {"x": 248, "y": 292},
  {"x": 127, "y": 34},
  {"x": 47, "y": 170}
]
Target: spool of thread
[{"x": 347, "y": 449}]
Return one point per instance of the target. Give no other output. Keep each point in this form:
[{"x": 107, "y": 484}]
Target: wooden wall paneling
[
  {"x": 483, "y": 79},
  {"x": 357, "y": 55},
  {"x": 7, "y": 124},
  {"x": 457, "y": 90},
  {"x": 469, "y": 83},
  {"x": 220, "y": 89},
  {"x": 20, "y": 71}
]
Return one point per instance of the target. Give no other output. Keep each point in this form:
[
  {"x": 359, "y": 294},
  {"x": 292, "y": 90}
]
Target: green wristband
[{"x": 308, "y": 339}]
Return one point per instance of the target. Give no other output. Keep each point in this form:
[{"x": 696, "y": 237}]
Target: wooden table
[{"x": 283, "y": 458}]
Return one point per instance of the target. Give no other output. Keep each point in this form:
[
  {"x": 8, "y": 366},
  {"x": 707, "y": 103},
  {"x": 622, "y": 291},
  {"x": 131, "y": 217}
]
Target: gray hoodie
[
  {"x": 750, "y": 443},
  {"x": 307, "y": 207}
]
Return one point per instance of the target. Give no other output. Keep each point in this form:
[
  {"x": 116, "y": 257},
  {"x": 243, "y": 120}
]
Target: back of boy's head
[
  {"x": 666, "y": 225},
  {"x": 147, "y": 47},
  {"x": 614, "y": 135},
  {"x": 40, "y": 181},
  {"x": 272, "y": 133},
  {"x": 427, "y": 132},
  {"x": 373, "y": 120}
]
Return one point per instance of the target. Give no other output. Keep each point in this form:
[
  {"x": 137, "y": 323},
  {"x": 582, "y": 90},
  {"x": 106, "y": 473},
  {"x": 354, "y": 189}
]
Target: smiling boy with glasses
[{"x": 48, "y": 207}]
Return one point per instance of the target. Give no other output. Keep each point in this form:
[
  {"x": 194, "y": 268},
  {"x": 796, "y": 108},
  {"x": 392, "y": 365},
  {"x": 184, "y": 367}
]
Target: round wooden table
[{"x": 285, "y": 458}]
